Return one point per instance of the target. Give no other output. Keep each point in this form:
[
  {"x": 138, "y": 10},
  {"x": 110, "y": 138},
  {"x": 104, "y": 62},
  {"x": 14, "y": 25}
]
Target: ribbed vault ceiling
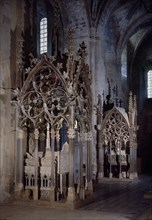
[{"x": 118, "y": 20}]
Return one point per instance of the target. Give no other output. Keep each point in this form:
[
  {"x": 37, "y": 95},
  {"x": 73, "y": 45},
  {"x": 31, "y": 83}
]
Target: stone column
[
  {"x": 19, "y": 162},
  {"x": 131, "y": 161},
  {"x": 133, "y": 156},
  {"x": 131, "y": 134},
  {"x": 82, "y": 192},
  {"x": 89, "y": 162},
  {"x": 36, "y": 190},
  {"x": 119, "y": 158},
  {"x": 42, "y": 141},
  {"x": 100, "y": 163},
  {"x": 134, "y": 161},
  {"x": 87, "y": 159},
  {"x": 110, "y": 173},
  {"x": 99, "y": 139},
  {"x": 58, "y": 177},
  {"x": 71, "y": 189},
  {"x": 58, "y": 146},
  {"x": 52, "y": 166},
  {"x": 100, "y": 155},
  {"x": 31, "y": 142},
  {"x": 79, "y": 162}
]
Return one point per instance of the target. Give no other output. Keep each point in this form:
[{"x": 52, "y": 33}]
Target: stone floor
[{"x": 112, "y": 201}]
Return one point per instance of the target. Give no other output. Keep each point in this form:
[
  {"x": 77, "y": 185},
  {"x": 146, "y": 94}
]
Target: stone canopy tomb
[{"x": 54, "y": 110}]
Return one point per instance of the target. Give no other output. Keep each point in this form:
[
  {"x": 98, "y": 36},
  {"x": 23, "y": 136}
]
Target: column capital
[
  {"x": 71, "y": 133},
  {"x": 89, "y": 136},
  {"x": 36, "y": 133},
  {"x": 20, "y": 133},
  {"x": 52, "y": 133},
  {"x": 99, "y": 127},
  {"x": 42, "y": 136},
  {"x": 57, "y": 135}
]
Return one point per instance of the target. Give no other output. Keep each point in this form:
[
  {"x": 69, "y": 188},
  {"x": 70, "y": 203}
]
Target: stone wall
[{"x": 7, "y": 128}]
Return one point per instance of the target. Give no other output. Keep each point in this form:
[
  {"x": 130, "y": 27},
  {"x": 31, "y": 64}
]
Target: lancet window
[
  {"x": 43, "y": 35},
  {"x": 149, "y": 84}
]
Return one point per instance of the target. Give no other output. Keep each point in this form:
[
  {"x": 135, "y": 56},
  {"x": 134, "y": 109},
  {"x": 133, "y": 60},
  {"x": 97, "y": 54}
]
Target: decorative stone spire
[
  {"x": 56, "y": 16},
  {"x": 135, "y": 103},
  {"x": 70, "y": 62},
  {"x": 70, "y": 42},
  {"x": 82, "y": 52},
  {"x": 109, "y": 88},
  {"x": 130, "y": 108},
  {"x": 130, "y": 102},
  {"x": 99, "y": 112},
  {"x": 19, "y": 56},
  {"x": 57, "y": 26},
  {"x": 135, "y": 112}
]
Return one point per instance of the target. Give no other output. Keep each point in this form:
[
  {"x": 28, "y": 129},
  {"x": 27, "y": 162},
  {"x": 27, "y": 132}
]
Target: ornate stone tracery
[{"x": 116, "y": 126}]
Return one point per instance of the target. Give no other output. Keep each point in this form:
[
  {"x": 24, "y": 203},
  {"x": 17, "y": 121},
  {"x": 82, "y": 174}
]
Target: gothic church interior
[{"x": 75, "y": 97}]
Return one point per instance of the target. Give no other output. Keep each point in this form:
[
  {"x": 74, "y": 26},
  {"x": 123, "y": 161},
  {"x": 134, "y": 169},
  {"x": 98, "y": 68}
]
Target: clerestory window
[
  {"x": 149, "y": 84},
  {"x": 43, "y": 35}
]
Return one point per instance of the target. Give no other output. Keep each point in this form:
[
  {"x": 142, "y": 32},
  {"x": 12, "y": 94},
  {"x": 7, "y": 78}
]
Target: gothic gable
[{"x": 116, "y": 125}]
